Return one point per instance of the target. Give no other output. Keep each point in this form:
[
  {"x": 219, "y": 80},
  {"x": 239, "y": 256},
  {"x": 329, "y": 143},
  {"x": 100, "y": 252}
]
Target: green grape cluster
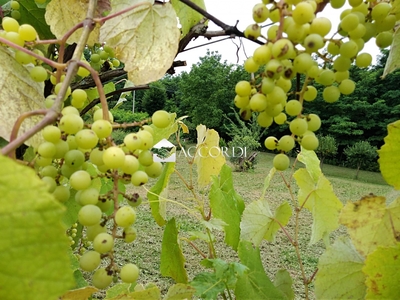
[
  {"x": 295, "y": 38},
  {"x": 103, "y": 56}
]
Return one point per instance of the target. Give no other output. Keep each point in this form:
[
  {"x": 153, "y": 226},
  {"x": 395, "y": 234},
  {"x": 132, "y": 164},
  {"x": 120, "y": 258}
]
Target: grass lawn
[{"x": 145, "y": 251}]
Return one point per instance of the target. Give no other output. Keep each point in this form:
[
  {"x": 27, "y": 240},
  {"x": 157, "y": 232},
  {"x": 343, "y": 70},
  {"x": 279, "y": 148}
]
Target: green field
[{"x": 249, "y": 185}]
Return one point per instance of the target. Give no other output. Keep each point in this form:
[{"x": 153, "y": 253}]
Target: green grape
[
  {"x": 296, "y": 32},
  {"x": 387, "y": 24},
  {"x": 154, "y": 170},
  {"x": 281, "y": 162},
  {"x": 43, "y": 161},
  {"x": 282, "y": 49},
  {"x": 101, "y": 279},
  {"x": 252, "y": 31},
  {"x": 161, "y": 119},
  {"x": 135, "y": 200},
  {"x": 103, "y": 242},
  {"x": 94, "y": 230},
  {"x": 47, "y": 150},
  {"x": 98, "y": 115},
  {"x": 271, "y": 143},
  {"x": 74, "y": 158},
  {"x": 313, "y": 122},
  {"x": 104, "y": 55},
  {"x": 89, "y": 196},
  {"x": 129, "y": 273},
  {"x": 340, "y": 76},
  {"x": 303, "y": 13},
  {"x": 380, "y": 11},
  {"x": 51, "y": 133},
  {"x": 303, "y": 62},
  {"x": 80, "y": 180},
  {"x": 347, "y": 86},
  {"x": 274, "y": 110},
  {"x": 129, "y": 234},
  {"x": 337, "y": 3},
  {"x": 71, "y": 123},
  {"x": 27, "y": 32},
  {"x": 50, "y": 171},
  {"x": 309, "y": 142},
  {"x": 109, "y": 50},
  {"x": 243, "y": 88},
  {"x": 286, "y": 143},
  {"x": 284, "y": 84},
  {"x": 267, "y": 85},
  {"x": 23, "y": 58},
  {"x": 105, "y": 205},
  {"x": 349, "y": 49},
  {"x": 89, "y": 261},
  {"x": 310, "y": 94},
  {"x": 342, "y": 63},
  {"x": 262, "y": 55},
  {"x": 62, "y": 193},
  {"x": 313, "y": 42},
  {"x": 89, "y": 215},
  {"x": 49, "y": 101},
  {"x": 131, "y": 164},
  {"x": 38, "y": 74},
  {"x": 333, "y": 48},
  {"x": 125, "y": 216},
  {"x": 96, "y": 157},
  {"x": 250, "y": 65},
  {"x": 95, "y": 58},
  {"x": 349, "y": 22},
  {"x": 384, "y": 39},
  {"x": 79, "y": 95},
  {"x": 298, "y": 126},
  {"x": 14, "y": 38},
  {"x": 147, "y": 128},
  {"x": 264, "y": 120},
  {"x": 355, "y": 3},
  {"x": 274, "y": 15},
  {"x": 86, "y": 139},
  {"x": 67, "y": 171},
  {"x": 146, "y": 139},
  {"x": 274, "y": 69},
  {"x": 258, "y": 102},
  {"x": 132, "y": 141},
  {"x": 50, "y": 183},
  {"x": 326, "y": 77},
  {"x": 321, "y": 26},
  {"x": 82, "y": 71},
  {"x": 69, "y": 110},
  {"x": 359, "y": 32},
  {"x": 10, "y": 24},
  {"x": 116, "y": 63},
  {"x": 114, "y": 157},
  {"x": 57, "y": 89},
  {"x": 363, "y": 60},
  {"x": 260, "y": 13},
  {"x": 14, "y": 5},
  {"x": 331, "y": 94},
  {"x": 280, "y": 119},
  {"x": 241, "y": 102},
  {"x": 139, "y": 178},
  {"x": 293, "y": 108},
  {"x": 145, "y": 158}
]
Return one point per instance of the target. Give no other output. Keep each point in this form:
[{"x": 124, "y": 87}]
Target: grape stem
[{"x": 194, "y": 247}]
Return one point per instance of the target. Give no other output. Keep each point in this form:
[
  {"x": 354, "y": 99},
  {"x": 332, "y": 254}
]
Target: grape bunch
[
  {"x": 103, "y": 56},
  {"x": 294, "y": 43}
]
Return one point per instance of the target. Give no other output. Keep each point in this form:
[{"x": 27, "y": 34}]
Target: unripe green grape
[
  {"x": 50, "y": 171},
  {"x": 310, "y": 94},
  {"x": 326, "y": 77},
  {"x": 347, "y": 86},
  {"x": 71, "y": 123},
  {"x": 273, "y": 69},
  {"x": 43, "y": 161},
  {"x": 139, "y": 178},
  {"x": 380, "y": 11},
  {"x": 62, "y": 193},
  {"x": 303, "y": 13},
  {"x": 355, "y": 3},
  {"x": 89, "y": 261},
  {"x": 349, "y": 22},
  {"x": 313, "y": 42},
  {"x": 296, "y": 33},
  {"x": 252, "y": 32},
  {"x": 145, "y": 158},
  {"x": 47, "y": 150},
  {"x": 131, "y": 164},
  {"x": 258, "y": 102},
  {"x": 241, "y": 102},
  {"x": 98, "y": 115},
  {"x": 262, "y": 55},
  {"x": 161, "y": 119},
  {"x": 125, "y": 216},
  {"x": 67, "y": 171},
  {"x": 135, "y": 200},
  {"x": 86, "y": 139},
  {"x": 281, "y": 162},
  {"x": 387, "y": 24},
  {"x": 101, "y": 279},
  {"x": 333, "y": 48},
  {"x": 79, "y": 94},
  {"x": 298, "y": 126},
  {"x": 313, "y": 122},
  {"x": 274, "y": 15},
  {"x": 358, "y": 32},
  {"x": 303, "y": 62},
  {"x": 104, "y": 55},
  {"x": 23, "y": 58},
  {"x": 284, "y": 84},
  {"x": 384, "y": 39},
  {"x": 96, "y": 157},
  {"x": 89, "y": 196},
  {"x": 243, "y": 88},
  {"x": 38, "y": 74},
  {"x": 114, "y": 157},
  {"x": 331, "y": 94},
  {"x": 337, "y": 3},
  {"x": 363, "y": 60},
  {"x": 309, "y": 142},
  {"x": 89, "y": 215},
  {"x": 267, "y": 85},
  {"x": 271, "y": 143},
  {"x": 129, "y": 234},
  {"x": 80, "y": 180},
  {"x": 342, "y": 63},
  {"x": 129, "y": 273},
  {"x": 260, "y": 13},
  {"x": 349, "y": 49},
  {"x": 293, "y": 108},
  {"x": 10, "y": 24},
  {"x": 50, "y": 183},
  {"x": 286, "y": 143},
  {"x": 264, "y": 120},
  {"x": 274, "y": 110},
  {"x": 146, "y": 139},
  {"x": 147, "y": 128},
  {"x": 321, "y": 26},
  {"x": 103, "y": 242},
  {"x": 250, "y": 65},
  {"x": 116, "y": 63},
  {"x": 340, "y": 76},
  {"x": 282, "y": 49},
  {"x": 370, "y": 31},
  {"x": 14, "y": 5},
  {"x": 94, "y": 230},
  {"x": 132, "y": 141},
  {"x": 74, "y": 158},
  {"x": 61, "y": 149},
  {"x": 83, "y": 72},
  {"x": 57, "y": 89},
  {"x": 51, "y": 133},
  {"x": 69, "y": 110},
  {"x": 95, "y": 58},
  {"x": 105, "y": 205},
  {"x": 272, "y": 32},
  {"x": 154, "y": 170}
]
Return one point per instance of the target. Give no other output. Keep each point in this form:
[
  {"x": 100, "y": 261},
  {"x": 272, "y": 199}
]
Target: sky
[{"x": 230, "y": 11}]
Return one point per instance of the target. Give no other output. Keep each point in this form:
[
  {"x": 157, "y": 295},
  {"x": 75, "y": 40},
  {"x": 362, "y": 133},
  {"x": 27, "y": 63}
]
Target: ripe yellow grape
[
  {"x": 10, "y": 24},
  {"x": 27, "y": 32}
]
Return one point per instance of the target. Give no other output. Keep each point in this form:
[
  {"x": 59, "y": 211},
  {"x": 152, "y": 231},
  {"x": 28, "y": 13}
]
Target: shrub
[{"x": 362, "y": 155}]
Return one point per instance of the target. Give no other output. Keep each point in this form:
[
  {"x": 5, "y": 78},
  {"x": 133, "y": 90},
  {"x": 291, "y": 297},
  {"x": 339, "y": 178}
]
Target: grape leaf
[
  {"x": 156, "y": 204},
  {"x": 284, "y": 282},
  {"x": 267, "y": 182},
  {"x": 145, "y": 39},
  {"x": 19, "y": 93},
  {"x": 316, "y": 194},
  {"x": 188, "y": 17},
  {"x": 172, "y": 260},
  {"x": 34, "y": 260},
  {"x": 165, "y": 133},
  {"x": 370, "y": 224},
  {"x": 207, "y": 285},
  {"x": 383, "y": 276},
  {"x": 393, "y": 61},
  {"x": 255, "y": 283},
  {"x": 62, "y": 15},
  {"x": 152, "y": 293},
  {"x": 340, "y": 273},
  {"x": 118, "y": 290},
  {"x": 310, "y": 159},
  {"x": 79, "y": 294},
  {"x": 208, "y": 158},
  {"x": 180, "y": 291},
  {"x": 389, "y": 156},
  {"x": 227, "y": 205},
  {"x": 34, "y": 15},
  {"x": 258, "y": 221}
]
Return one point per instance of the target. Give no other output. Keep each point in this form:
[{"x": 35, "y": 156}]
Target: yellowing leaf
[
  {"x": 34, "y": 259},
  {"x": 180, "y": 291},
  {"x": 209, "y": 158},
  {"x": 62, "y": 15},
  {"x": 370, "y": 224},
  {"x": 18, "y": 94},
  {"x": 318, "y": 197},
  {"x": 340, "y": 273},
  {"x": 389, "y": 156},
  {"x": 267, "y": 182},
  {"x": 79, "y": 294},
  {"x": 145, "y": 39},
  {"x": 258, "y": 221},
  {"x": 188, "y": 17},
  {"x": 383, "y": 276}
]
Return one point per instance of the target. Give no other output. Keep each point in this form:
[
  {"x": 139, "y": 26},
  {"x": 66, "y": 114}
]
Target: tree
[
  {"x": 361, "y": 155},
  {"x": 154, "y": 99},
  {"x": 327, "y": 147}
]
